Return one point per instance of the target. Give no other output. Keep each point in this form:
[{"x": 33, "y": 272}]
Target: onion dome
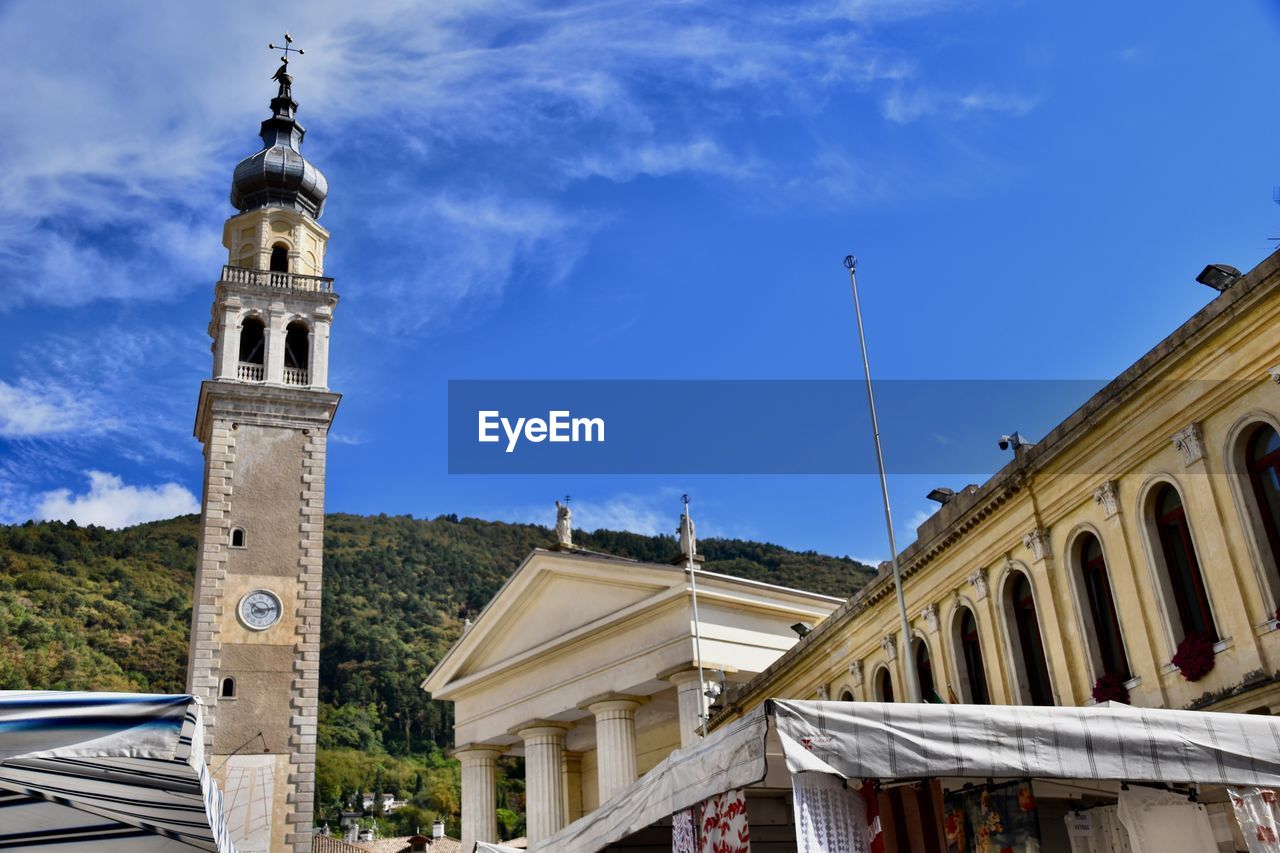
[{"x": 278, "y": 175}]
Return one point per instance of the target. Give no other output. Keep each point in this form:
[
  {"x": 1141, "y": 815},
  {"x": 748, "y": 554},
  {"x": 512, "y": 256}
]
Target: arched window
[
  {"x": 297, "y": 345},
  {"x": 279, "y": 258},
  {"x": 1179, "y": 552},
  {"x": 1102, "y": 608},
  {"x": 846, "y": 696},
  {"x": 228, "y": 690},
  {"x": 924, "y": 671},
  {"x": 252, "y": 341},
  {"x": 237, "y": 537},
  {"x": 884, "y": 685},
  {"x": 974, "y": 675},
  {"x": 1034, "y": 666},
  {"x": 1262, "y": 461}
]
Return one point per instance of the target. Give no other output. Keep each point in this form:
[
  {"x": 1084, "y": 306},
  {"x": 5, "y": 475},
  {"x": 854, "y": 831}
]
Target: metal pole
[
  {"x": 697, "y": 625},
  {"x": 908, "y": 662}
]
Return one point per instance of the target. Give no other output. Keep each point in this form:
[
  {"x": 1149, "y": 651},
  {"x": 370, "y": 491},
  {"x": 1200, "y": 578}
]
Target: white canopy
[
  {"x": 877, "y": 740},
  {"x": 116, "y": 771}
]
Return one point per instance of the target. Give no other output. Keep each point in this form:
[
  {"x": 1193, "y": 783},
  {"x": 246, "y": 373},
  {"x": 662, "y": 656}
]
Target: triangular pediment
[{"x": 552, "y": 595}]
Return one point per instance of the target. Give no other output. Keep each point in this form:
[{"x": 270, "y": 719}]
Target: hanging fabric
[
  {"x": 684, "y": 839},
  {"x": 830, "y": 817},
  {"x": 724, "y": 823},
  {"x": 1162, "y": 821},
  {"x": 1112, "y": 835},
  {"x": 998, "y": 818},
  {"x": 1258, "y": 814}
]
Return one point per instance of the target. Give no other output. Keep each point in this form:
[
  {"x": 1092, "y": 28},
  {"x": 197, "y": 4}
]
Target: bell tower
[{"x": 263, "y": 420}]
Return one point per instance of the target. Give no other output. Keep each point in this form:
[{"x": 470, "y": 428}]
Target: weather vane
[{"x": 282, "y": 73}]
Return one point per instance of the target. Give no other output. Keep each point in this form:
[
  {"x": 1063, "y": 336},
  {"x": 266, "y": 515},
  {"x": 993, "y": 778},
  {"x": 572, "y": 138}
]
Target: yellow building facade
[{"x": 1148, "y": 515}]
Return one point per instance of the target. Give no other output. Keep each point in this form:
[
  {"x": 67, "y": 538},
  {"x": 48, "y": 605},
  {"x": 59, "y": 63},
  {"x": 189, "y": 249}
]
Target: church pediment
[{"x": 550, "y": 596}]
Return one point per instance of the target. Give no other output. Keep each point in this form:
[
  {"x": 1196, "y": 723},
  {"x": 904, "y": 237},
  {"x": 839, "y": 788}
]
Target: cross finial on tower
[
  {"x": 282, "y": 73},
  {"x": 286, "y": 47}
]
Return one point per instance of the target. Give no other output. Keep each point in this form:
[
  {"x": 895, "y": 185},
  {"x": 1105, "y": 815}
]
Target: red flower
[
  {"x": 1110, "y": 688},
  {"x": 1194, "y": 657}
]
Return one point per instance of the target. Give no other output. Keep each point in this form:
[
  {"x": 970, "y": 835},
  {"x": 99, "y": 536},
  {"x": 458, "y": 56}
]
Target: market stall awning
[
  {"x": 118, "y": 771},
  {"x": 877, "y": 740}
]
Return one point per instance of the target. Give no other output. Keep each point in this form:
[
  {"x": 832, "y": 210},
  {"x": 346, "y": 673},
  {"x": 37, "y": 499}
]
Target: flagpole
[
  {"x": 908, "y": 662},
  {"x": 697, "y": 625}
]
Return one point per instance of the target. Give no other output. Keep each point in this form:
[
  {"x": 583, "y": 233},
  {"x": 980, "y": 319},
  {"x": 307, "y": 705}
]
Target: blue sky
[{"x": 612, "y": 190}]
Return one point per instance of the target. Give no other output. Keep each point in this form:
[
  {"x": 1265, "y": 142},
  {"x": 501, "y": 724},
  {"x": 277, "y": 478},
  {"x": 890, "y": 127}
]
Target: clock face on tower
[{"x": 260, "y": 609}]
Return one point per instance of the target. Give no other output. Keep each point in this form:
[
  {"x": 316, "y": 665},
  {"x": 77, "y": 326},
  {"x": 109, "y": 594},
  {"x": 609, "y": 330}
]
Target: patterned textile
[
  {"x": 724, "y": 823},
  {"x": 998, "y": 819},
  {"x": 830, "y": 817},
  {"x": 683, "y": 837},
  {"x": 1160, "y": 821},
  {"x": 1258, "y": 813}
]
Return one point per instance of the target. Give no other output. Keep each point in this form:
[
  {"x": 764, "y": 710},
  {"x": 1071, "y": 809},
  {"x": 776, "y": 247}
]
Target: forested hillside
[{"x": 85, "y": 608}]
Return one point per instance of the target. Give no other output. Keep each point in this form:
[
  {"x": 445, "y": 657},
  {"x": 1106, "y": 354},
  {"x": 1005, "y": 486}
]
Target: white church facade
[{"x": 585, "y": 664}]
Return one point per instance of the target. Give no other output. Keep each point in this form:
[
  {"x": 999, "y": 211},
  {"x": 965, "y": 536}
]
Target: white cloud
[
  {"x": 647, "y": 514},
  {"x": 30, "y": 410},
  {"x": 906, "y": 104},
  {"x": 700, "y": 155},
  {"x": 110, "y": 503},
  {"x": 529, "y": 99},
  {"x": 478, "y": 243},
  {"x": 636, "y": 513}
]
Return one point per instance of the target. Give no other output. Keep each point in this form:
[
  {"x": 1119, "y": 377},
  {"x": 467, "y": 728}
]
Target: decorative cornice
[
  {"x": 1107, "y": 497},
  {"x": 1190, "y": 443},
  {"x": 1037, "y": 542}
]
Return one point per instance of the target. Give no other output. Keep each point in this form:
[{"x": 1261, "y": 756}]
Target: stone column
[
  {"x": 479, "y": 794},
  {"x": 615, "y": 742},
  {"x": 543, "y": 778},
  {"x": 692, "y": 705}
]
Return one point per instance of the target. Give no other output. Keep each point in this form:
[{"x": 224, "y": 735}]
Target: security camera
[{"x": 1014, "y": 440}]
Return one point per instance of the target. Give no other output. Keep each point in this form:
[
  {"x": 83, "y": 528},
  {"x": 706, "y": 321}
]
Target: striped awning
[{"x": 119, "y": 771}]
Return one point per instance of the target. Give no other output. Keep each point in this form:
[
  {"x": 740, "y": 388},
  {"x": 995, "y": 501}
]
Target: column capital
[
  {"x": 537, "y": 728},
  {"x": 473, "y": 751},
  {"x": 686, "y": 672},
  {"x": 613, "y": 702}
]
